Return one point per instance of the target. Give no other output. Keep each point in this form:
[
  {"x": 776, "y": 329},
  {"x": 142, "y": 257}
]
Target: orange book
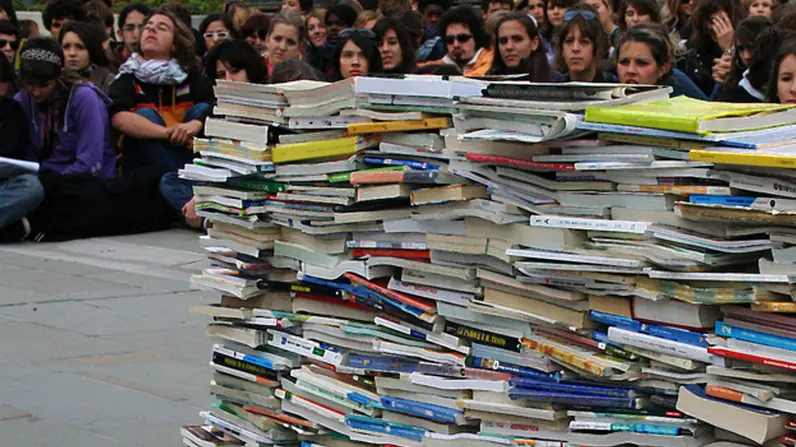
[
  {"x": 423, "y": 304},
  {"x": 376, "y": 177},
  {"x": 724, "y": 393}
]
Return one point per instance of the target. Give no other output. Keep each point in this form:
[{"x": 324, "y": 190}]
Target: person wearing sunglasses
[
  {"x": 520, "y": 49},
  {"x": 582, "y": 47},
  {"x": 356, "y": 54},
  {"x": 9, "y": 40},
  {"x": 216, "y": 28},
  {"x": 467, "y": 41}
]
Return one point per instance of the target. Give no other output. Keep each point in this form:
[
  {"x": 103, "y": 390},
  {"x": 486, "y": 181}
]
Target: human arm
[
  {"x": 122, "y": 93},
  {"x": 87, "y": 113},
  {"x": 721, "y": 68}
]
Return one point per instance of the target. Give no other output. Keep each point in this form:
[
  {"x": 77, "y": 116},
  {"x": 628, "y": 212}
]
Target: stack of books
[{"x": 463, "y": 264}]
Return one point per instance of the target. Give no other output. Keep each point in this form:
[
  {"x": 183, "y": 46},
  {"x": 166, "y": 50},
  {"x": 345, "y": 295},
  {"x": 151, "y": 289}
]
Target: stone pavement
[{"x": 96, "y": 342}]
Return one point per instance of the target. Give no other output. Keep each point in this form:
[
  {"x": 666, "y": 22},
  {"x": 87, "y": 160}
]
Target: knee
[
  {"x": 151, "y": 115},
  {"x": 31, "y": 189},
  {"x": 196, "y": 111}
]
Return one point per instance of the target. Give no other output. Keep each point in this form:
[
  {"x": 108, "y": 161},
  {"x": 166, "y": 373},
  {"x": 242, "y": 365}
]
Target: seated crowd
[{"x": 111, "y": 116}]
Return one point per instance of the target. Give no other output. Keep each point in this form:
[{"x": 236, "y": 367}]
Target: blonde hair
[{"x": 366, "y": 17}]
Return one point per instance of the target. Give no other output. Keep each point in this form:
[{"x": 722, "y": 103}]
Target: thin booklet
[{"x": 10, "y": 167}]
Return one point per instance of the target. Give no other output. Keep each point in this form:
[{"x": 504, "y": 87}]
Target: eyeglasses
[
  {"x": 219, "y": 34},
  {"x": 348, "y": 32},
  {"x": 461, "y": 38},
  {"x": 13, "y": 43},
  {"x": 588, "y": 15}
]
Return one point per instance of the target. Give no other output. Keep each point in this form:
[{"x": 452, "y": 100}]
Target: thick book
[{"x": 685, "y": 114}]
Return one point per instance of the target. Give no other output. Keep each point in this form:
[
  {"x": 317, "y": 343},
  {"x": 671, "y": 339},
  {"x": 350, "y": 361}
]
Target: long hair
[
  {"x": 536, "y": 65},
  {"x": 548, "y": 30},
  {"x": 184, "y": 42},
  {"x": 701, "y": 39},
  {"x": 656, "y": 37},
  {"x": 289, "y": 18},
  {"x": 368, "y": 47},
  {"x": 746, "y": 35},
  {"x": 404, "y": 40},
  {"x": 92, "y": 39},
  {"x": 643, "y": 7},
  {"x": 8, "y": 7},
  {"x": 772, "y": 91},
  {"x": 591, "y": 29},
  {"x": 42, "y": 72},
  {"x": 239, "y": 55}
]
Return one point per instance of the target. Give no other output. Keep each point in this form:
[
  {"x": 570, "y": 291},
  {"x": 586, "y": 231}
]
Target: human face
[
  {"x": 744, "y": 51},
  {"x": 131, "y": 31},
  {"x": 514, "y": 43},
  {"x": 157, "y": 39},
  {"x": 460, "y": 43},
  {"x": 3, "y": 88},
  {"x": 431, "y": 15},
  {"x": 578, "y": 51},
  {"x": 215, "y": 33},
  {"x": 75, "y": 52},
  {"x": 353, "y": 61},
  {"x": 495, "y": 7},
  {"x": 603, "y": 14},
  {"x": 9, "y": 45},
  {"x": 283, "y": 44},
  {"x": 292, "y": 4},
  {"x": 684, "y": 10},
  {"x": 259, "y": 42},
  {"x": 335, "y": 25},
  {"x": 390, "y": 49},
  {"x": 41, "y": 92},
  {"x": 536, "y": 10},
  {"x": 229, "y": 73},
  {"x": 760, "y": 8},
  {"x": 317, "y": 31},
  {"x": 636, "y": 65},
  {"x": 633, "y": 18},
  {"x": 57, "y": 24},
  {"x": 555, "y": 15},
  {"x": 786, "y": 80}
]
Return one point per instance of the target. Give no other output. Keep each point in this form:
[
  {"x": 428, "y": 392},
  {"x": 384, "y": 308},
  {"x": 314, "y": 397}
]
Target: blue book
[
  {"x": 382, "y": 363},
  {"x": 347, "y": 287},
  {"x": 517, "y": 370},
  {"x": 421, "y": 409},
  {"x": 602, "y": 337},
  {"x": 583, "y": 390},
  {"x": 379, "y": 161},
  {"x": 575, "y": 399},
  {"x": 615, "y": 320},
  {"x": 721, "y": 200},
  {"x": 656, "y": 330},
  {"x": 386, "y": 427},
  {"x": 762, "y": 338}
]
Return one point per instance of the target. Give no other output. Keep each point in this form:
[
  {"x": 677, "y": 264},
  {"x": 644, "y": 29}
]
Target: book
[
  {"x": 319, "y": 150},
  {"x": 398, "y": 126},
  {"x": 692, "y": 115},
  {"x": 442, "y": 194}
]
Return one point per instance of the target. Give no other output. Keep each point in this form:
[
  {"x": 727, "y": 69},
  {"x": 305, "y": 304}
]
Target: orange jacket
[{"x": 482, "y": 64}]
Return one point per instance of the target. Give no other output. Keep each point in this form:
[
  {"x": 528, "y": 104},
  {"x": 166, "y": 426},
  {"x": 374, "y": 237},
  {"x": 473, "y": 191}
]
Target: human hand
[
  {"x": 722, "y": 30},
  {"x": 182, "y": 134},
  {"x": 721, "y": 68},
  {"x": 189, "y": 212}
]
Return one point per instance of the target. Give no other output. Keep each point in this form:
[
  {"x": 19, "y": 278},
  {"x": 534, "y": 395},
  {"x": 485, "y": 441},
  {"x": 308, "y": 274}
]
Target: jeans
[
  {"x": 139, "y": 153},
  {"x": 19, "y": 196},
  {"x": 175, "y": 190}
]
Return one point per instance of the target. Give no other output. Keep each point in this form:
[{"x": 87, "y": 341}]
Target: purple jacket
[{"x": 84, "y": 136}]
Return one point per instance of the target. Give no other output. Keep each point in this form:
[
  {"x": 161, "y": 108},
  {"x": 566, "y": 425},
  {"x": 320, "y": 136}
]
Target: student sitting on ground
[
  {"x": 520, "y": 49},
  {"x": 84, "y": 54},
  {"x": 582, "y": 47},
  {"x": 160, "y": 101}
]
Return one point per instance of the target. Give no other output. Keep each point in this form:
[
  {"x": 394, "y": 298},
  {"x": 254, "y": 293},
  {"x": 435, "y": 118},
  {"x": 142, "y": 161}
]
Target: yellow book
[
  {"x": 685, "y": 114},
  {"x": 645, "y": 140},
  {"x": 784, "y": 307},
  {"x": 742, "y": 158},
  {"x": 398, "y": 126},
  {"x": 339, "y": 147}
]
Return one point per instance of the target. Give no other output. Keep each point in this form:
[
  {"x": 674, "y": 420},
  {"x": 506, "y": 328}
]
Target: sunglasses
[
  {"x": 588, "y": 15},
  {"x": 14, "y": 44},
  {"x": 348, "y": 32},
  {"x": 220, "y": 34},
  {"x": 461, "y": 38}
]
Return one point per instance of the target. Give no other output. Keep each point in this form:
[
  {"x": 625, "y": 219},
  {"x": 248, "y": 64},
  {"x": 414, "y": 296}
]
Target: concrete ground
[{"x": 96, "y": 344}]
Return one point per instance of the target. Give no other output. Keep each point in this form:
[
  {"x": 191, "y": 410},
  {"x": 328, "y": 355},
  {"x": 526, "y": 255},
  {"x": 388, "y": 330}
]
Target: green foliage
[{"x": 197, "y": 7}]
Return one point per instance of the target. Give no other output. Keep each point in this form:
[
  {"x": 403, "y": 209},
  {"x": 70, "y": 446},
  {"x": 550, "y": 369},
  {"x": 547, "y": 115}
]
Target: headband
[{"x": 42, "y": 55}]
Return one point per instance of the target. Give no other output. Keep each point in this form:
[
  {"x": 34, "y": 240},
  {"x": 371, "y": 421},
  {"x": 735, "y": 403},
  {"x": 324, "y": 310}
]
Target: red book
[
  {"x": 391, "y": 252},
  {"x": 518, "y": 163},
  {"x": 423, "y": 304},
  {"x": 729, "y": 353}
]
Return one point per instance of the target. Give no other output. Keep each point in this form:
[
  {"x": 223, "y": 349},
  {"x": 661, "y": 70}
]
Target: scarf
[{"x": 153, "y": 71}]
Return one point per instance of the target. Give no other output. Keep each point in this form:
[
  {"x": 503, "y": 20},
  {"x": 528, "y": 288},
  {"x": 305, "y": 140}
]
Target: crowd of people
[{"x": 110, "y": 115}]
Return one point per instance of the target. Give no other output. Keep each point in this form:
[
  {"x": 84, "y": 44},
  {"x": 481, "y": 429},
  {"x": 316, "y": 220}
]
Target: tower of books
[{"x": 427, "y": 262}]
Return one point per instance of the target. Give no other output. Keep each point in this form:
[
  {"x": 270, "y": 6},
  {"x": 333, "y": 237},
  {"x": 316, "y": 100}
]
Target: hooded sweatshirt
[{"x": 83, "y": 137}]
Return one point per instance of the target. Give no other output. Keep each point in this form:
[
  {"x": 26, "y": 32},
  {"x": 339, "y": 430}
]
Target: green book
[{"x": 253, "y": 184}]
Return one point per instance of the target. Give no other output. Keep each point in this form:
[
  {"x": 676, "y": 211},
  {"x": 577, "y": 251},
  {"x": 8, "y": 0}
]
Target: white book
[
  {"x": 304, "y": 347},
  {"x": 445, "y": 226},
  {"x": 325, "y": 122},
  {"x": 515, "y": 410},
  {"x": 437, "y": 356},
  {"x": 707, "y": 276},
  {"x": 500, "y": 386},
  {"x": 335, "y": 386},
  {"x": 351, "y": 266},
  {"x": 440, "y": 281},
  {"x": 618, "y": 165},
  {"x": 523, "y": 431},
  {"x": 573, "y": 257},
  {"x": 589, "y": 224},
  {"x": 657, "y": 344},
  {"x": 221, "y": 128},
  {"x": 328, "y": 167},
  {"x": 448, "y": 296}
]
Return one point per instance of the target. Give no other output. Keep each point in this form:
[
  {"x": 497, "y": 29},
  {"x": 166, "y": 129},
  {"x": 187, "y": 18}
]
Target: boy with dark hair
[
  {"x": 59, "y": 12},
  {"x": 9, "y": 40},
  {"x": 131, "y": 23},
  {"x": 432, "y": 10},
  {"x": 489, "y": 7},
  {"x": 467, "y": 42}
]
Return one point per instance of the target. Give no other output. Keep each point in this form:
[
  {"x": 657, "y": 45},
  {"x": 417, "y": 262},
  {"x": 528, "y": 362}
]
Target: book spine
[
  {"x": 383, "y": 364},
  {"x": 574, "y": 399},
  {"x": 397, "y": 162},
  {"x": 748, "y": 159},
  {"x": 729, "y": 353},
  {"x": 566, "y": 357},
  {"x": 635, "y": 428},
  {"x": 308, "y": 404},
  {"x": 304, "y": 347},
  {"x": 420, "y": 303},
  {"x": 532, "y": 384},
  {"x": 509, "y": 368},
  {"x": 775, "y": 307},
  {"x": 485, "y": 337},
  {"x": 519, "y": 163},
  {"x": 657, "y": 344},
  {"x": 244, "y": 366},
  {"x": 378, "y": 426},
  {"x": 776, "y": 341},
  {"x": 588, "y": 224},
  {"x": 395, "y": 253},
  {"x": 421, "y": 409},
  {"x": 398, "y": 126},
  {"x": 357, "y": 178}
]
